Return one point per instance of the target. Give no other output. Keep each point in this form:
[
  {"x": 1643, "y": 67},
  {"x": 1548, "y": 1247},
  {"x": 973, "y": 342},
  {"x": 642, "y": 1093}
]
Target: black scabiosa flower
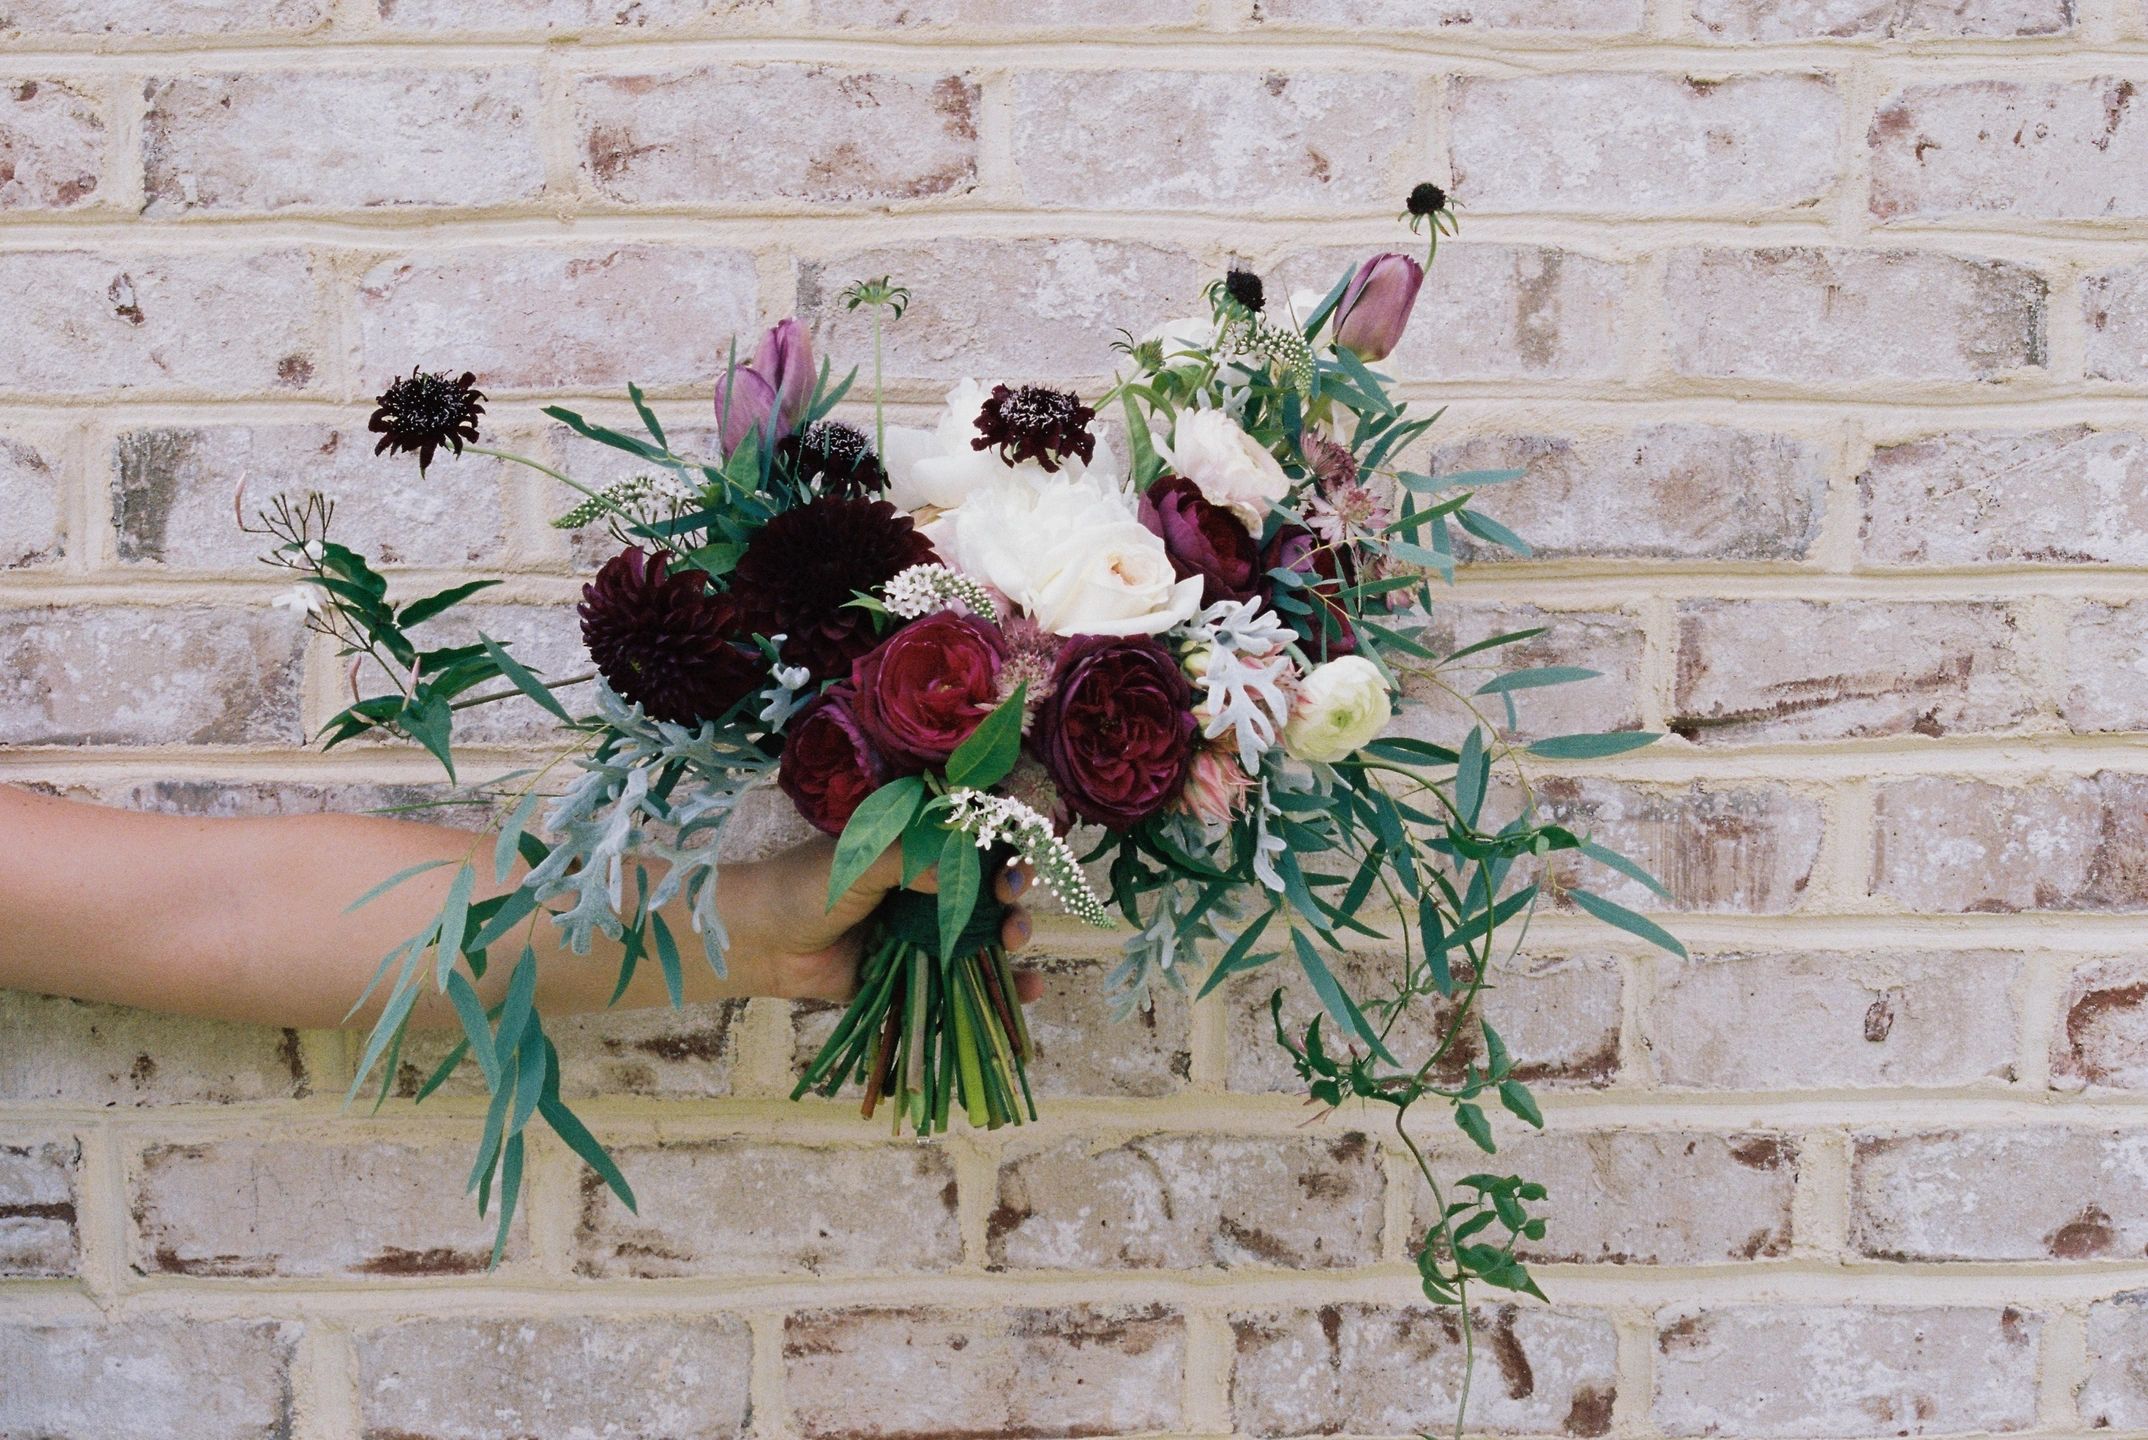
[
  {"x": 423, "y": 412},
  {"x": 1244, "y": 286},
  {"x": 835, "y": 458},
  {"x": 1426, "y": 200},
  {"x": 1034, "y": 423},
  {"x": 666, "y": 641},
  {"x": 800, "y": 573}
]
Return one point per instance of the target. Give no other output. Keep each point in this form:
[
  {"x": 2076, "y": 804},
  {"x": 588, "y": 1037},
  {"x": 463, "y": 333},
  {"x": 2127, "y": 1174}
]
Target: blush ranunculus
[
  {"x": 1117, "y": 731},
  {"x": 923, "y": 690},
  {"x": 1297, "y": 548},
  {"x": 829, "y": 763},
  {"x": 1202, "y": 539}
]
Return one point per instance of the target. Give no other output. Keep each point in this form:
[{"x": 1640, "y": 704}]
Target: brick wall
[{"x": 1822, "y": 326}]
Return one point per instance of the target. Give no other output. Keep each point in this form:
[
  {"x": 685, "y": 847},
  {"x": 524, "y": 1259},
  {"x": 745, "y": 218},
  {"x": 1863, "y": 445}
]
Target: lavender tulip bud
[
  {"x": 769, "y": 393},
  {"x": 1375, "y": 310},
  {"x": 745, "y": 405}
]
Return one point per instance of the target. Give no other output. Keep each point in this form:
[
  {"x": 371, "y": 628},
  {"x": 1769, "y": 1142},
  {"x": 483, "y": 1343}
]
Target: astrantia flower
[
  {"x": 800, "y": 573},
  {"x": 835, "y": 458},
  {"x": 1330, "y": 460},
  {"x": 422, "y": 412},
  {"x": 666, "y": 641},
  {"x": 1035, "y": 423}
]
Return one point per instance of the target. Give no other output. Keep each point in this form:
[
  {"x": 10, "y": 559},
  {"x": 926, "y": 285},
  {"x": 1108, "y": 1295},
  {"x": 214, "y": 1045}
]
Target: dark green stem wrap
[{"x": 914, "y": 917}]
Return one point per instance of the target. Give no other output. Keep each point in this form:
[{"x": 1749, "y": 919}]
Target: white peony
[
  {"x": 1228, "y": 466},
  {"x": 1341, "y": 707},
  {"x": 1071, "y": 554},
  {"x": 939, "y": 468}
]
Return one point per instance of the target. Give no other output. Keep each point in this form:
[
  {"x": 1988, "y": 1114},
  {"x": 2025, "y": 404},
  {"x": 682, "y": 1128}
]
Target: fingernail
[
  {"x": 1017, "y": 879},
  {"x": 1021, "y": 929}
]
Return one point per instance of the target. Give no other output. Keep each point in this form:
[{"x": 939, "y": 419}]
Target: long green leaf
[
  {"x": 569, "y": 1127},
  {"x": 1593, "y": 746},
  {"x": 961, "y": 881},
  {"x": 1536, "y": 679},
  {"x": 1614, "y": 914},
  {"x": 1336, "y": 1000},
  {"x": 392, "y": 881},
  {"x": 877, "y": 824},
  {"x": 523, "y": 680},
  {"x": 454, "y": 923},
  {"x": 1240, "y": 956},
  {"x": 419, "y": 611},
  {"x": 1603, "y": 855},
  {"x": 503, "y": 851},
  {"x": 471, "y": 1011},
  {"x": 985, "y": 758}
]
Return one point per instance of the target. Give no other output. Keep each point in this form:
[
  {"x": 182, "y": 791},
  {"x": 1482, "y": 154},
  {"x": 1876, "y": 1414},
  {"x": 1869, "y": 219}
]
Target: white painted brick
[
  {"x": 52, "y": 143},
  {"x": 2106, "y": 668},
  {"x": 632, "y": 19},
  {"x": 1764, "y": 20},
  {"x": 963, "y": 18},
  {"x": 1608, "y": 642},
  {"x": 1715, "y": 847},
  {"x": 2071, "y": 496},
  {"x": 2114, "y": 303},
  {"x": 1552, "y": 17},
  {"x": 2060, "y": 150},
  {"x": 32, "y": 471},
  {"x": 127, "y": 20},
  {"x": 2115, "y": 1394},
  {"x": 38, "y": 1213},
  {"x": 2056, "y": 1193},
  {"x": 1942, "y": 845},
  {"x": 2102, "y": 1035},
  {"x": 80, "y": 1053},
  {"x": 148, "y": 1379}
]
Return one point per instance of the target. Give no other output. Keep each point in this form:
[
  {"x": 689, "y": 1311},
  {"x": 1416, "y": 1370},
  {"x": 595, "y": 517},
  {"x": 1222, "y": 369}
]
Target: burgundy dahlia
[
  {"x": 1118, "y": 731},
  {"x": 927, "y": 687},
  {"x": 800, "y": 573},
  {"x": 666, "y": 641},
  {"x": 1202, "y": 539},
  {"x": 829, "y": 764},
  {"x": 1297, "y": 548},
  {"x": 1035, "y": 423}
]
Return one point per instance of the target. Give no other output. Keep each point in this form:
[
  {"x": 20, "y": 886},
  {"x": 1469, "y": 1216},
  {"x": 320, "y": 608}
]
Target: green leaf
[
  {"x": 1484, "y": 527},
  {"x": 1593, "y": 747},
  {"x": 515, "y": 1009},
  {"x": 1535, "y": 679},
  {"x": 1240, "y": 956},
  {"x": 1146, "y": 463},
  {"x": 569, "y": 1128},
  {"x": 1472, "y": 773},
  {"x": 1619, "y": 916},
  {"x": 475, "y": 1026},
  {"x": 876, "y": 824},
  {"x": 531, "y": 1068},
  {"x": 921, "y": 842},
  {"x": 1516, "y": 1097},
  {"x": 1336, "y": 1000},
  {"x": 604, "y": 435},
  {"x": 510, "y": 1195},
  {"x": 648, "y": 417},
  {"x": 523, "y": 680},
  {"x": 427, "y": 720},
  {"x": 667, "y": 955},
  {"x": 1495, "y": 641},
  {"x": 961, "y": 880},
  {"x": 392, "y": 881},
  {"x": 503, "y": 851},
  {"x": 419, "y": 611},
  {"x": 1603, "y": 855},
  {"x": 1475, "y": 1126},
  {"x": 1327, "y": 304},
  {"x": 985, "y": 759},
  {"x": 454, "y": 922}
]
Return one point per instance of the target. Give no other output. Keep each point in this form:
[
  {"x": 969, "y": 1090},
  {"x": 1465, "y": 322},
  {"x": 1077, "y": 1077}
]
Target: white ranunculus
[
  {"x": 1228, "y": 466},
  {"x": 1072, "y": 555},
  {"x": 1341, "y": 707},
  {"x": 939, "y": 468}
]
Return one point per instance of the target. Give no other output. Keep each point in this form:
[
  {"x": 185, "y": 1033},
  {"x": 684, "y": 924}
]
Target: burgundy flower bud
[
  {"x": 1375, "y": 310},
  {"x": 925, "y": 688},
  {"x": 829, "y": 764},
  {"x": 1297, "y": 548},
  {"x": 1202, "y": 539},
  {"x": 1117, "y": 733}
]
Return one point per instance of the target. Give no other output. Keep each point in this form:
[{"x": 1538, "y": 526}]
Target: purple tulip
[
  {"x": 1375, "y": 310},
  {"x": 785, "y": 357},
  {"x": 745, "y": 405},
  {"x": 768, "y": 394}
]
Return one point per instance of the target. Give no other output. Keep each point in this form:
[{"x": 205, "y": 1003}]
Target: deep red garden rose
[
  {"x": 1297, "y": 548},
  {"x": 1202, "y": 539},
  {"x": 925, "y": 688},
  {"x": 1117, "y": 730},
  {"x": 829, "y": 763}
]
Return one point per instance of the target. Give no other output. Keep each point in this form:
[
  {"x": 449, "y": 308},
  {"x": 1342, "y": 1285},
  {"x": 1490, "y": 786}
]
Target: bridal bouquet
[{"x": 1161, "y": 636}]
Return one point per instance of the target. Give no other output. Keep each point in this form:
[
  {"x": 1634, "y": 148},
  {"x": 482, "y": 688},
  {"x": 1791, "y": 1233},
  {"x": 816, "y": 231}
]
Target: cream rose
[
  {"x": 939, "y": 468},
  {"x": 1072, "y": 555},
  {"x": 1229, "y": 467},
  {"x": 1341, "y": 706}
]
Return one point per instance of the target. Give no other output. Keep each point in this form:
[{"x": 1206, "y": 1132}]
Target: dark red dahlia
[
  {"x": 1034, "y": 423},
  {"x": 800, "y": 573},
  {"x": 666, "y": 641},
  {"x": 423, "y": 412},
  {"x": 834, "y": 458}
]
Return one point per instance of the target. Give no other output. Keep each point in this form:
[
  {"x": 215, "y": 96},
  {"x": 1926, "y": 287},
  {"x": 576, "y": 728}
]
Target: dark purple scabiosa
[
  {"x": 834, "y": 458},
  {"x": 1426, "y": 200},
  {"x": 1244, "y": 286},
  {"x": 422, "y": 412},
  {"x": 1035, "y": 423},
  {"x": 665, "y": 641},
  {"x": 800, "y": 573}
]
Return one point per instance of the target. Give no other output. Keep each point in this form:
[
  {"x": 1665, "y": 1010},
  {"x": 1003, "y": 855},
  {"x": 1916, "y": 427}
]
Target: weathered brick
[
  {"x": 2115, "y": 1394},
  {"x": 1787, "y": 1370},
  {"x": 2054, "y": 150},
  {"x": 1760, "y": 670},
  {"x": 1586, "y": 17},
  {"x": 31, "y": 471},
  {"x": 1880, "y": 19},
  {"x": 2106, "y": 668},
  {"x": 1165, "y": 139},
  {"x": 544, "y": 17},
  {"x": 1839, "y": 317},
  {"x": 1687, "y": 492},
  {"x": 1382, "y": 1370},
  {"x": 1806, "y": 1020},
  {"x": 925, "y": 1374},
  {"x": 1530, "y": 312},
  {"x": 1733, "y": 1194},
  {"x": 2102, "y": 1039},
  {"x": 1943, "y": 845},
  {"x": 52, "y": 142},
  {"x": 1608, "y": 642},
  {"x": 124, "y": 19},
  {"x": 1715, "y": 847},
  {"x": 38, "y": 1235},
  {"x": 851, "y": 136},
  {"x": 1002, "y": 308},
  {"x": 55, "y": 1049},
  {"x": 229, "y": 797},
  {"x": 530, "y": 318},
  {"x": 275, "y": 1207},
  {"x": 87, "y": 321},
  {"x": 1643, "y": 143},
  {"x": 1191, "y": 1202},
  {"x": 136, "y": 675},
  {"x": 222, "y": 141},
  {"x": 654, "y": 1051},
  {"x": 2114, "y": 305},
  {"x": 684, "y": 1378},
  {"x": 973, "y": 16},
  {"x": 171, "y": 495},
  {"x": 1558, "y": 1015},
  {"x": 735, "y": 1207},
  {"x": 1083, "y": 1048},
  {"x": 2055, "y": 1193},
  {"x": 2069, "y": 496},
  {"x": 148, "y": 1379}
]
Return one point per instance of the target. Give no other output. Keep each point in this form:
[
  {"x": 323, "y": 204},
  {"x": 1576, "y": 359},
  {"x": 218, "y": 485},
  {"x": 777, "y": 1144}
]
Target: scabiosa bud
[
  {"x": 1035, "y": 423},
  {"x": 1244, "y": 286},
  {"x": 666, "y": 641},
  {"x": 423, "y": 411},
  {"x": 835, "y": 458},
  {"x": 1426, "y": 200}
]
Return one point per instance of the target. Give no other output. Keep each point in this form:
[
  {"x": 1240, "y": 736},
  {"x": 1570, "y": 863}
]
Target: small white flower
[{"x": 300, "y": 600}]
